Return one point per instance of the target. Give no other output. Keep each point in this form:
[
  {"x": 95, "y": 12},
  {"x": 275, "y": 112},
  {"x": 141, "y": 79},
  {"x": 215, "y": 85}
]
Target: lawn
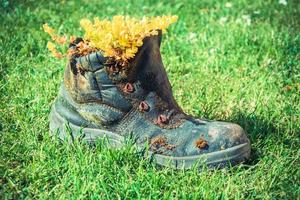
[{"x": 236, "y": 61}]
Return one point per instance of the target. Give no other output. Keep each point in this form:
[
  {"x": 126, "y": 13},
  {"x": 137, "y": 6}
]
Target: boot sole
[{"x": 219, "y": 159}]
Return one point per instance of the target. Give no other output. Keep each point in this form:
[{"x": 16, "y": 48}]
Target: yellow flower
[{"x": 121, "y": 37}]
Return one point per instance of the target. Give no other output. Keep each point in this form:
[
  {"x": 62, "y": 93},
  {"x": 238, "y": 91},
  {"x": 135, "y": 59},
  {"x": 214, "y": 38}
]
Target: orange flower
[
  {"x": 54, "y": 37},
  {"x": 53, "y": 50}
]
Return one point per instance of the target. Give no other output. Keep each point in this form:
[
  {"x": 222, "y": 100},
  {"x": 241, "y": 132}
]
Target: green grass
[{"x": 220, "y": 68}]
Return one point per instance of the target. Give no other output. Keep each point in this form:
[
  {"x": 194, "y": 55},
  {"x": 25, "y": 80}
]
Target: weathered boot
[{"x": 99, "y": 99}]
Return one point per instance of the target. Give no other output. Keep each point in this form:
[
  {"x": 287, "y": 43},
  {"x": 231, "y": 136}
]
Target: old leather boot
[{"x": 100, "y": 99}]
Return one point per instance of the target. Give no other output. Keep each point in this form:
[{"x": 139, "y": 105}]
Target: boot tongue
[{"x": 147, "y": 67}]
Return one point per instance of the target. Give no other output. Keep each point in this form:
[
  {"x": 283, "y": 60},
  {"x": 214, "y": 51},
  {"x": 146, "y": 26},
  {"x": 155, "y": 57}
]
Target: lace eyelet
[
  {"x": 162, "y": 119},
  {"x": 144, "y": 107},
  {"x": 114, "y": 70},
  {"x": 128, "y": 88}
]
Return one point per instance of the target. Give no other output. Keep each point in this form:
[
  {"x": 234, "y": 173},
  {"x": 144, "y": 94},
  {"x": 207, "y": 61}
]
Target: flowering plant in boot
[
  {"x": 108, "y": 95},
  {"x": 118, "y": 38}
]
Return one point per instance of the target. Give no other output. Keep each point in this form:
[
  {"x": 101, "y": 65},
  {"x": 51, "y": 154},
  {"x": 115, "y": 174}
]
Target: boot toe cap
[
  {"x": 228, "y": 134},
  {"x": 217, "y": 137}
]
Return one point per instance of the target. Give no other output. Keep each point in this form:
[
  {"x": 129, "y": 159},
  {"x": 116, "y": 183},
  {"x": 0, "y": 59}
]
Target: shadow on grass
[{"x": 262, "y": 133}]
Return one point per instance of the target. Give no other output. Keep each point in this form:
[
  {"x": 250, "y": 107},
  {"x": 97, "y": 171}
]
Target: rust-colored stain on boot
[
  {"x": 160, "y": 141},
  {"x": 201, "y": 143}
]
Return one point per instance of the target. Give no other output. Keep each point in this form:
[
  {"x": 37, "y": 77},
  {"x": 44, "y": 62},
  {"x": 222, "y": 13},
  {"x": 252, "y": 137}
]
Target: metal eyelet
[
  {"x": 114, "y": 70},
  {"x": 128, "y": 88},
  {"x": 144, "y": 107},
  {"x": 162, "y": 119}
]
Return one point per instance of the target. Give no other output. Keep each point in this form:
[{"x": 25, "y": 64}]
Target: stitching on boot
[{"x": 125, "y": 121}]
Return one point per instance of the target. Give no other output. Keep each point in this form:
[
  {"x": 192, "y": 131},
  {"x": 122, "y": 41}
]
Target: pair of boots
[{"x": 101, "y": 100}]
